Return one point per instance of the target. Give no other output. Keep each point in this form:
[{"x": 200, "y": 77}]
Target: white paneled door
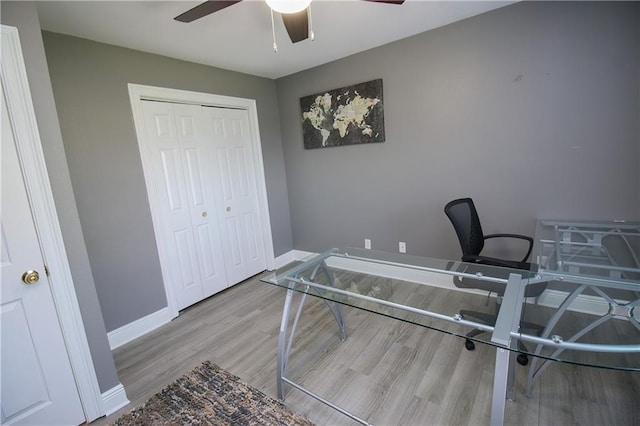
[
  {"x": 209, "y": 229},
  {"x": 236, "y": 192},
  {"x": 37, "y": 382}
]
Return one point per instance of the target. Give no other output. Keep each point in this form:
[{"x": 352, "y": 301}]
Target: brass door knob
[{"x": 30, "y": 277}]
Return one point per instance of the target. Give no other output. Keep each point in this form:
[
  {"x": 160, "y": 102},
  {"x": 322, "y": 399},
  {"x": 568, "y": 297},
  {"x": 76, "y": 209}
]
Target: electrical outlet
[
  {"x": 402, "y": 247},
  {"x": 367, "y": 243}
]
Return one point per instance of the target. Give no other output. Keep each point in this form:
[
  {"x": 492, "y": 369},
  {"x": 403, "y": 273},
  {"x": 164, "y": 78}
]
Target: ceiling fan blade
[
  {"x": 204, "y": 9},
  {"x": 387, "y": 1},
  {"x": 297, "y": 25}
]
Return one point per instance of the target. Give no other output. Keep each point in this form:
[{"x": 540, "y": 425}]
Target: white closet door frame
[
  {"x": 45, "y": 217},
  {"x": 138, "y": 93}
]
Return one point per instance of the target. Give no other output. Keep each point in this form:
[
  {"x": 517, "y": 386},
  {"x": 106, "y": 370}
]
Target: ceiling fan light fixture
[{"x": 288, "y": 6}]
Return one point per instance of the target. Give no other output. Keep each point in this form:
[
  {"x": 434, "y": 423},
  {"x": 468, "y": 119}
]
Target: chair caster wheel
[
  {"x": 522, "y": 359},
  {"x": 469, "y": 345}
]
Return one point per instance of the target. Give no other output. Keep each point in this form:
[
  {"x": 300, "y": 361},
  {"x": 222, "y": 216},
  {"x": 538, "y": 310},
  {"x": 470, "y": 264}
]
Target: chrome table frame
[
  {"x": 565, "y": 267},
  {"x": 616, "y": 310},
  {"x": 505, "y": 333},
  {"x": 594, "y": 233}
]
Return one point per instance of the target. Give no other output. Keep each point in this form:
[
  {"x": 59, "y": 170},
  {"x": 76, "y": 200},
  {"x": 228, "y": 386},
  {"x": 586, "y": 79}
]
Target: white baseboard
[
  {"x": 552, "y": 298},
  {"x": 114, "y": 399},
  {"x": 400, "y": 273},
  {"x": 144, "y": 325},
  {"x": 584, "y": 303},
  {"x": 135, "y": 329},
  {"x": 291, "y": 256},
  {"x": 301, "y": 255},
  {"x": 284, "y": 259}
]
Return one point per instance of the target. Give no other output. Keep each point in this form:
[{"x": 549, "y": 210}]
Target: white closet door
[
  {"x": 189, "y": 234},
  {"x": 236, "y": 192}
]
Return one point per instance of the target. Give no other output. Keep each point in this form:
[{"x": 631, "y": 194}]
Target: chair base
[
  {"x": 490, "y": 319},
  {"x": 522, "y": 359}
]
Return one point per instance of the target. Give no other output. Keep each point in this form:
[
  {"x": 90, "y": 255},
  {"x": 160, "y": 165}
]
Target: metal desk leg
[
  {"x": 335, "y": 307},
  {"x": 507, "y": 323},
  {"x": 503, "y": 384},
  {"x": 285, "y": 340},
  {"x": 500, "y": 376},
  {"x": 283, "y": 354},
  {"x": 615, "y": 310},
  {"x": 533, "y": 373},
  {"x": 511, "y": 376},
  {"x": 285, "y": 337},
  {"x": 284, "y": 344}
]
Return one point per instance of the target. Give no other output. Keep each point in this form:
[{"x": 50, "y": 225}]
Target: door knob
[
  {"x": 228, "y": 209},
  {"x": 30, "y": 277}
]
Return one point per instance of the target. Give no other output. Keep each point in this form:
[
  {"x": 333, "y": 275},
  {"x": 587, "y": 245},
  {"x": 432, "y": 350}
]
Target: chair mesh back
[{"x": 464, "y": 217}]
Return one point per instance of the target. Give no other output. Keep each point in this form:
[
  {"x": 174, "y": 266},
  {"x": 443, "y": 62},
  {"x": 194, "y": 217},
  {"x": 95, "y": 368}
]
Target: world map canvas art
[{"x": 346, "y": 116}]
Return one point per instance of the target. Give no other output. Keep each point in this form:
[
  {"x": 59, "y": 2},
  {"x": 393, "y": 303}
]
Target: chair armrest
[{"x": 521, "y": 237}]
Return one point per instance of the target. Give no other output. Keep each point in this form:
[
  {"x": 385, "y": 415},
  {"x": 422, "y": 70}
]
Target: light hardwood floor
[{"x": 387, "y": 372}]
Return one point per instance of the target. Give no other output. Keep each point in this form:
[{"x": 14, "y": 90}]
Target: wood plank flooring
[{"x": 387, "y": 372}]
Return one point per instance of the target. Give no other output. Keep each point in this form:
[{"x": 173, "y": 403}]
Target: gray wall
[
  {"x": 24, "y": 17},
  {"x": 531, "y": 109},
  {"x": 90, "y": 87}
]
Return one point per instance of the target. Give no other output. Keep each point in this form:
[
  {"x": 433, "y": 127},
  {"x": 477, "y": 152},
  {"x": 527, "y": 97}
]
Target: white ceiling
[{"x": 239, "y": 38}]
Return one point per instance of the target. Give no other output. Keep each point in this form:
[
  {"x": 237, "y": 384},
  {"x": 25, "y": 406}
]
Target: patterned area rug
[{"x": 208, "y": 395}]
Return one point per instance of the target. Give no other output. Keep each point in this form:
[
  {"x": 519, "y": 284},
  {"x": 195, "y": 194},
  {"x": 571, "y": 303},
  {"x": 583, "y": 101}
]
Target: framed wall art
[{"x": 346, "y": 116}]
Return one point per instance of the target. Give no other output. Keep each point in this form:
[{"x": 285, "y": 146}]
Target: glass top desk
[
  {"x": 593, "y": 271},
  {"x": 425, "y": 292}
]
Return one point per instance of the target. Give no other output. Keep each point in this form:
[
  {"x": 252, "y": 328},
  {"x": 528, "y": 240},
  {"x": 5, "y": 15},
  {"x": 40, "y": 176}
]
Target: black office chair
[{"x": 464, "y": 217}]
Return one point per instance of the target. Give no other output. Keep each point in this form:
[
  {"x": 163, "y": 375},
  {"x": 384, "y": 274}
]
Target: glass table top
[
  {"x": 607, "y": 251},
  {"x": 593, "y": 274},
  {"x": 447, "y": 296}
]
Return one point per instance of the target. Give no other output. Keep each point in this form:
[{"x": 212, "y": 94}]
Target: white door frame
[
  {"x": 31, "y": 155},
  {"x": 137, "y": 93}
]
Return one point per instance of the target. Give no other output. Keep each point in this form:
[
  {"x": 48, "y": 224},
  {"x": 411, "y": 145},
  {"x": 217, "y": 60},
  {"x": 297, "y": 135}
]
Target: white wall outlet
[
  {"x": 367, "y": 243},
  {"x": 402, "y": 247}
]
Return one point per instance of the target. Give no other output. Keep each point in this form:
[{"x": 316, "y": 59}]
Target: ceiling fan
[{"x": 296, "y": 22}]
